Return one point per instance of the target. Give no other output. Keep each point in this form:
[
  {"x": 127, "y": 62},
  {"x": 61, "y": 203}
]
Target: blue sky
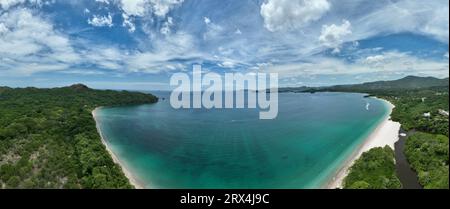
[{"x": 139, "y": 44}]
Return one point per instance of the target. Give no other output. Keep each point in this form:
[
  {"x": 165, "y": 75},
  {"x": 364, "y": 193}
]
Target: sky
[{"x": 139, "y": 44}]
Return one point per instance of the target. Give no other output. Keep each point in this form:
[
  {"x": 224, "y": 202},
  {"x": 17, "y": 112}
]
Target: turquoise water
[{"x": 198, "y": 148}]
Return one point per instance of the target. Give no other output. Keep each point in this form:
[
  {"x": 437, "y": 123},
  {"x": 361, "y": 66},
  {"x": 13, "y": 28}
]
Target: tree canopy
[
  {"x": 48, "y": 138},
  {"x": 375, "y": 169}
]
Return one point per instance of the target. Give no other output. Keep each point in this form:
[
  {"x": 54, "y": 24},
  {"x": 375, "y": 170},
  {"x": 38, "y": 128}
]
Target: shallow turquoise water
[{"x": 311, "y": 137}]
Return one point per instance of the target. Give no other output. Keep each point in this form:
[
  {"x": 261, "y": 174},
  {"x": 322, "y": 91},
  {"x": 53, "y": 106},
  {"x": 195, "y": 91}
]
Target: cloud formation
[
  {"x": 141, "y": 7},
  {"x": 134, "y": 7},
  {"x": 292, "y": 14},
  {"x": 30, "y": 44},
  {"x": 307, "y": 39},
  {"x": 388, "y": 63},
  {"x": 332, "y": 36},
  {"x": 5, "y": 4},
  {"x": 101, "y": 21}
]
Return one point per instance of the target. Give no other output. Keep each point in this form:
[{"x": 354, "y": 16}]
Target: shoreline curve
[
  {"x": 386, "y": 133},
  {"x": 131, "y": 178}
]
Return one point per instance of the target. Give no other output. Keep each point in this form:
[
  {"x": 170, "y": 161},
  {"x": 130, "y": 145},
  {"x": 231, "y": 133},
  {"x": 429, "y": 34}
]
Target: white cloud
[
  {"x": 5, "y": 4},
  {"x": 292, "y": 14},
  {"x": 165, "y": 29},
  {"x": 32, "y": 68},
  {"x": 228, "y": 64},
  {"x": 128, "y": 23},
  {"x": 103, "y": 1},
  {"x": 438, "y": 24},
  {"x": 207, "y": 20},
  {"x": 108, "y": 58},
  {"x": 212, "y": 30},
  {"x": 101, "y": 21},
  {"x": 389, "y": 62},
  {"x": 128, "y": 85},
  {"x": 134, "y": 7},
  {"x": 143, "y": 8},
  {"x": 172, "y": 47},
  {"x": 29, "y": 44},
  {"x": 140, "y": 7},
  {"x": 180, "y": 44},
  {"x": 225, "y": 51},
  {"x": 83, "y": 72},
  {"x": 3, "y": 28},
  {"x": 162, "y": 7},
  {"x": 424, "y": 17},
  {"x": 332, "y": 36},
  {"x": 446, "y": 55},
  {"x": 26, "y": 34},
  {"x": 317, "y": 24},
  {"x": 375, "y": 61}
]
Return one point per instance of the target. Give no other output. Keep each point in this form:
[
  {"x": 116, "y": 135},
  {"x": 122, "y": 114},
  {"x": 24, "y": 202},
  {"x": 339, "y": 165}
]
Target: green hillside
[
  {"x": 48, "y": 138},
  {"x": 408, "y": 83}
]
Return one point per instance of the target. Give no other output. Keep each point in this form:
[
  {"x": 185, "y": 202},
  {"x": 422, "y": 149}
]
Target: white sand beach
[
  {"x": 387, "y": 133},
  {"x": 116, "y": 160}
]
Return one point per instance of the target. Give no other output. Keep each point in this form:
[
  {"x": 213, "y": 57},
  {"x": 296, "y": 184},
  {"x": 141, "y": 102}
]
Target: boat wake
[{"x": 367, "y": 106}]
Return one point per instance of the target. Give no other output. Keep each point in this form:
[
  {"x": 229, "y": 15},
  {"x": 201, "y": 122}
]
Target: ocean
[{"x": 303, "y": 147}]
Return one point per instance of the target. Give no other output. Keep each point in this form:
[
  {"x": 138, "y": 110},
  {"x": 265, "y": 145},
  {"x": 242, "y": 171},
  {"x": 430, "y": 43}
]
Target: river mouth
[
  {"x": 303, "y": 147},
  {"x": 406, "y": 175}
]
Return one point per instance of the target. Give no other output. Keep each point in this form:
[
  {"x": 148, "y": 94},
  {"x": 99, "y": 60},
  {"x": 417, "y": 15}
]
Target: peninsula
[{"x": 48, "y": 138}]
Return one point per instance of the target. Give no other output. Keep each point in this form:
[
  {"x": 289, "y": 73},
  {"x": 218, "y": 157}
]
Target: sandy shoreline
[
  {"x": 387, "y": 133},
  {"x": 128, "y": 174}
]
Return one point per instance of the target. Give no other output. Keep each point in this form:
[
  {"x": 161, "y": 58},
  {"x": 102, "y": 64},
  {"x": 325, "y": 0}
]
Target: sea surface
[{"x": 303, "y": 147}]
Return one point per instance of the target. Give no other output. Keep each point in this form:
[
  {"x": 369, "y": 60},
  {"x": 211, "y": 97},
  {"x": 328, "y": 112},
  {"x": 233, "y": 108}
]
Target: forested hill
[
  {"x": 48, "y": 138},
  {"x": 406, "y": 83}
]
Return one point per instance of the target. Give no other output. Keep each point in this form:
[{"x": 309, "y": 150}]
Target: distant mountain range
[{"x": 407, "y": 83}]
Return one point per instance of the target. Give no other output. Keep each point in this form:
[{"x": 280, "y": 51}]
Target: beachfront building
[{"x": 443, "y": 112}]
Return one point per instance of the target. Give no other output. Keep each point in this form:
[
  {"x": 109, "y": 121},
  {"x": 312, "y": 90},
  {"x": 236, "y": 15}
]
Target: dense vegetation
[
  {"x": 411, "y": 107},
  {"x": 48, "y": 138},
  {"x": 412, "y": 96},
  {"x": 428, "y": 155},
  {"x": 375, "y": 169},
  {"x": 421, "y": 104}
]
